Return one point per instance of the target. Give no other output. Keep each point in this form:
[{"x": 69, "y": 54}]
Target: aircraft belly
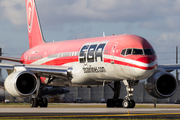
[
  {"x": 120, "y": 72},
  {"x": 93, "y": 72},
  {"x": 83, "y": 76},
  {"x": 97, "y": 73}
]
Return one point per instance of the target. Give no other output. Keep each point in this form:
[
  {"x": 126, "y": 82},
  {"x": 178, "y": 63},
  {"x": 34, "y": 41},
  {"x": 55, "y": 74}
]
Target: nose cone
[
  {"x": 147, "y": 59},
  {"x": 148, "y": 65}
]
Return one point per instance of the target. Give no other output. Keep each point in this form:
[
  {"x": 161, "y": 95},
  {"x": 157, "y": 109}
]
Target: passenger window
[
  {"x": 128, "y": 51},
  {"x": 137, "y": 52},
  {"x": 123, "y": 52}
]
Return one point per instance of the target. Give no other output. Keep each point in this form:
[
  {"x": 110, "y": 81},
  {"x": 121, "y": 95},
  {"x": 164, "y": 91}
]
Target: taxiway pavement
[{"x": 89, "y": 112}]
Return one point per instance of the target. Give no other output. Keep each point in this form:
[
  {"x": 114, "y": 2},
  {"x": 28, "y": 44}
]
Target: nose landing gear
[{"x": 128, "y": 102}]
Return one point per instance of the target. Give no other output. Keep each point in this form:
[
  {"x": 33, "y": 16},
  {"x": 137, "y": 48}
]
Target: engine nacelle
[
  {"x": 21, "y": 83},
  {"x": 161, "y": 84}
]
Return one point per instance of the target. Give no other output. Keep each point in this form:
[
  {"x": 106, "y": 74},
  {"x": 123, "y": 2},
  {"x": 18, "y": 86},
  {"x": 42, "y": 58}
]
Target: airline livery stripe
[
  {"x": 134, "y": 65},
  {"x": 134, "y": 62},
  {"x": 117, "y": 60},
  {"x": 43, "y": 60}
]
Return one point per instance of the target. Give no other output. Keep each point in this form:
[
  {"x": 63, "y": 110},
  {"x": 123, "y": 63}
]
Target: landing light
[{"x": 132, "y": 89}]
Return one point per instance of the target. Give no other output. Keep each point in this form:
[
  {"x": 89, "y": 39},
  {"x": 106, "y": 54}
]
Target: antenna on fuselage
[{"x": 104, "y": 34}]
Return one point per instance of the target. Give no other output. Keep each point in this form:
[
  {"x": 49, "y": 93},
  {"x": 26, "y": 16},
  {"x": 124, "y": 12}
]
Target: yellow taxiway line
[{"x": 86, "y": 116}]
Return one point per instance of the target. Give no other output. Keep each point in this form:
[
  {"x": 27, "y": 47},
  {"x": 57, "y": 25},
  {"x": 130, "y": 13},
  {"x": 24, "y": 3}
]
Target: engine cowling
[
  {"x": 161, "y": 84},
  {"x": 21, "y": 83}
]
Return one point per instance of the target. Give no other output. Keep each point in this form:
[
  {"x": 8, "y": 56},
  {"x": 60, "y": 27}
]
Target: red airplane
[{"x": 87, "y": 63}]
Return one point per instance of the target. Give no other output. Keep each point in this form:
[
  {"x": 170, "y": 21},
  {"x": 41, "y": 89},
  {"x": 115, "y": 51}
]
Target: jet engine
[
  {"x": 21, "y": 83},
  {"x": 161, "y": 84}
]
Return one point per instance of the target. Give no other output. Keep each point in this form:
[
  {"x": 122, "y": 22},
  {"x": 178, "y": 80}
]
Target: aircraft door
[{"x": 113, "y": 51}]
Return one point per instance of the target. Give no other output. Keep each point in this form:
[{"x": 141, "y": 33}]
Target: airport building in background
[{"x": 95, "y": 94}]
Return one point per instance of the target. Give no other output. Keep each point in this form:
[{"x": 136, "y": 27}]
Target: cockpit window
[
  {"x": 129, "y": 51},
  {"x": 123, "y": 52},
  {"x": 137, "y": 52},
  {"x": 149, "y": 51}
]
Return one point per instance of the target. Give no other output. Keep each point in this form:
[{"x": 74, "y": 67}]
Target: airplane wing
[
  {"x": 170, "y": 68},
  {"x": 11, "y": 59},
  {"x": 61, "y": 72}
]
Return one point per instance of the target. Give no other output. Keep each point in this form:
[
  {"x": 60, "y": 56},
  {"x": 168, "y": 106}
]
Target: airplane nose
[
  {"x": 147, "y": 67},
  {"x": 147, "y": 60}
]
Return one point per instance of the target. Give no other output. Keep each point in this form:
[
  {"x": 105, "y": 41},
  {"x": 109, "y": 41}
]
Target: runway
[{"x": 89, "y": 113}]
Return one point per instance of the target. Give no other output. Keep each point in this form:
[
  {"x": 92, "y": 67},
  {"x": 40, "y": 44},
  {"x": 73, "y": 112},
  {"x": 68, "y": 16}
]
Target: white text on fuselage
[
  {"x": 92, "y": 52},
  {"x": 94, "y": 69}
]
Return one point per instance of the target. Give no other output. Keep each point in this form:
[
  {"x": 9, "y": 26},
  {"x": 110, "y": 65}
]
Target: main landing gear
[
  {"x": 42, "y": 102},
  {"x": 37, "y": 99},
  {"x": 128, "y": 102}
]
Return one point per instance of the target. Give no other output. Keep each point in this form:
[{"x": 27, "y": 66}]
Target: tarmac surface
[{"x": 139, "y": 113}]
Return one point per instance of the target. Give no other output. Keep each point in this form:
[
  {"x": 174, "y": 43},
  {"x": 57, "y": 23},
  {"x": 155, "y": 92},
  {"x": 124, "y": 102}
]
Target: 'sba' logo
[{"x": 30, "y": 12}]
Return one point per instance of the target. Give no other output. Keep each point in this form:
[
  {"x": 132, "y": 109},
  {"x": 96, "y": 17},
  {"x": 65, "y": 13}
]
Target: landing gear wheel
[
  {"x": 132, "y": 104},
  {"x": 126, "y": 104},
  {"x": 33, "y": 102},
  {"x": 118, "y": 103},
  {"x": 45, "y": 102},
  {"x": 110, "y": 103}
]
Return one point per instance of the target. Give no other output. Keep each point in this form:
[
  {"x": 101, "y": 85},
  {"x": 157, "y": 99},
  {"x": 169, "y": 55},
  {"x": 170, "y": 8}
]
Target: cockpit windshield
[
  {"x": 149, "y": 51},
  {"x": 136, "y": 51},
  {"x": 129, "y": 51}
]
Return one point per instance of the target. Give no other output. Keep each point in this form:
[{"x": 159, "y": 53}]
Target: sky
[{"x": 158, "y": 21}]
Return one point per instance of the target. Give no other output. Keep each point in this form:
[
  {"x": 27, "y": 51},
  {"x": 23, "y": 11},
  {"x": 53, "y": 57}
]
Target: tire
[
  {"x": 118, "y": 103},
  {"x": 33, "y": 102},
  {"x": 110, "y": 103},
  {"x": 132, "y": 104},
  {"x": 126, "y": 104},
  {"x": 45, "y": 102}
]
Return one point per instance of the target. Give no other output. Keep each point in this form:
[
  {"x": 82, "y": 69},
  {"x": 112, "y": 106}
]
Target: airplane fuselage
[{"x": 94, "y": 60}]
